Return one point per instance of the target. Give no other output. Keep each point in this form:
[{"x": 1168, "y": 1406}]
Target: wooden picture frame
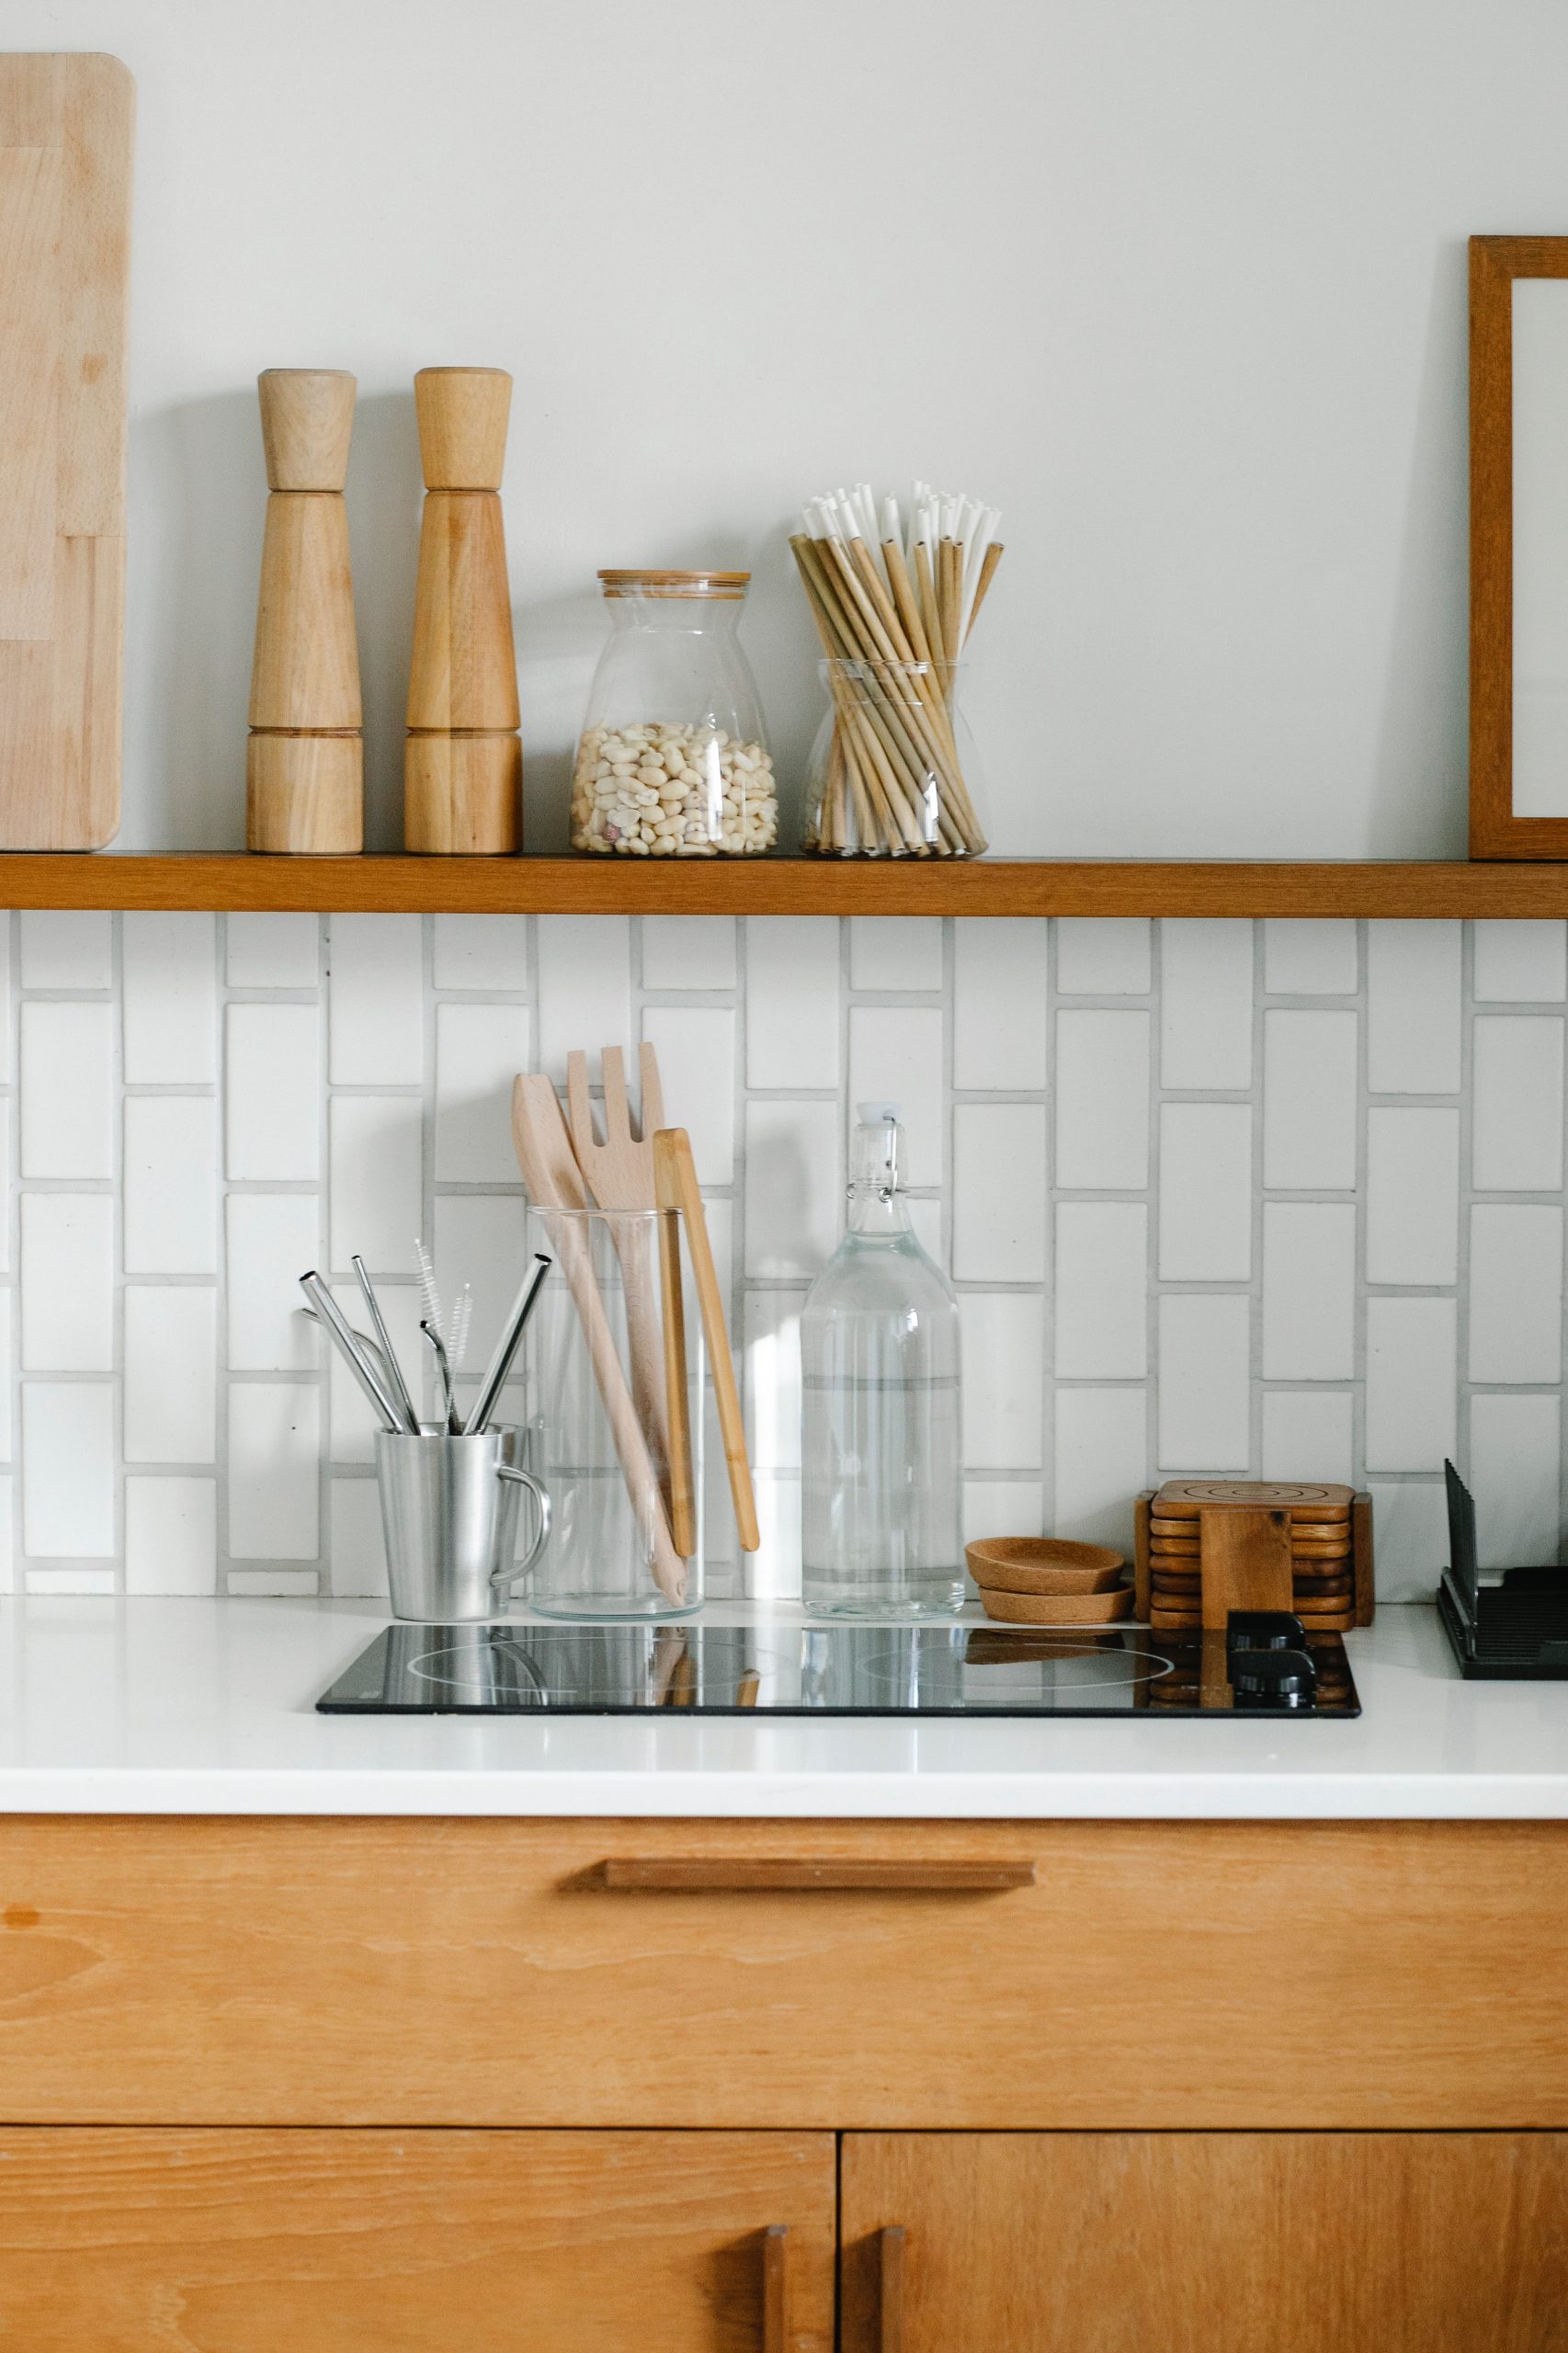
[{"x": 1517, "y": 585}]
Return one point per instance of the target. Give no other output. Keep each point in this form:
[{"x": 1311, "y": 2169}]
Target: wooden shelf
[{"x": 781, "y": 886}]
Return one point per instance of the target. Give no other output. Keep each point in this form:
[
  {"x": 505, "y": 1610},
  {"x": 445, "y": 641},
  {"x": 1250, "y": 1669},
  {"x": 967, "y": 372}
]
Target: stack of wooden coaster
[{"x": 1326, "y": 1532}]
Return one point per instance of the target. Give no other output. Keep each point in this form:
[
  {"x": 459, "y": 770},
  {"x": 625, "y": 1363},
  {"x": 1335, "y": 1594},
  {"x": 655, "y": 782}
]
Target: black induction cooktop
[{"x": 1266, "y": 1664}]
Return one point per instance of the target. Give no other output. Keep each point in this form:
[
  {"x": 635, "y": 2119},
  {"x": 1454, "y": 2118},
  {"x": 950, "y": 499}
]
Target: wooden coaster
[
  {"x": 1185, "y": 1498},
  {"x": 1042, "y": 1564},
  {"x": 1057, "y": 1609}
]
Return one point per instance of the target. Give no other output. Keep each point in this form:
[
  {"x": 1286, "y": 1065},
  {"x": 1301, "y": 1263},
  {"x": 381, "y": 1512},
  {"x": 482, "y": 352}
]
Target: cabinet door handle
[
  {"x": 890, "y": 2265},
  {"x": 776, "y": 2288},
  {"x": 751, "y": 1875}
]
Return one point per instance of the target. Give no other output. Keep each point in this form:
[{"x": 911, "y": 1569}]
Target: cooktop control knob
[
  {"x": 1273, "y": 1679},
  {"x": 1264, "y": 1630}
]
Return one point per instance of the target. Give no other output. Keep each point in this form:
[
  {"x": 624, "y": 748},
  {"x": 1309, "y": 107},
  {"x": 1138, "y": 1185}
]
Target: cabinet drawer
[
  {"x": 282, "y": 2242},
  {"x": 1153, "y": 1974}
]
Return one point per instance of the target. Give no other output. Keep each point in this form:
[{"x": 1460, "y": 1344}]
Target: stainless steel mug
[{"x": 449, "y": 1515}]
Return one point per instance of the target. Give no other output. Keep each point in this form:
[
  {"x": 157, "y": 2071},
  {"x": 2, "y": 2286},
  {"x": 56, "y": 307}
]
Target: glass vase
[{"x": 893, "y": 770}]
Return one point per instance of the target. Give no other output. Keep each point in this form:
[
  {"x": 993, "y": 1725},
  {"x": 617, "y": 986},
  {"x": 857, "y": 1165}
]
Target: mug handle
[{"x": 505, "y": 1579}]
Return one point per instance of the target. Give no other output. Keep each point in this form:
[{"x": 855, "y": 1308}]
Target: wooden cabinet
[
  {"x": 491, "y": 2086},
  {"x": 1205, "y": 2243},
  {"x": 432, "y": 2241}
]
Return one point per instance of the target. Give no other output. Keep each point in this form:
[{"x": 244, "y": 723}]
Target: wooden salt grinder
[
  {"x": 305, "y": 762},
  {"x": 463, "y": 760}
]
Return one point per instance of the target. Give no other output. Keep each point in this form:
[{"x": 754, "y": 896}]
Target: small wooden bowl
[
  {"x": 1057, "y": 1609},
  {"x": 1042, "y": 1564}
]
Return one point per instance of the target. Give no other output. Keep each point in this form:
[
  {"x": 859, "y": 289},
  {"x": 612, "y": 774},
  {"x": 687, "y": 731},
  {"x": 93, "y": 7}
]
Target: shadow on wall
[{"x": 1420, "y": 785}]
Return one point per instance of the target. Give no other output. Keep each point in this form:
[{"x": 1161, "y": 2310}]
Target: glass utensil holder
[
  {"x": 673, "y": 760},
  {"x": 893, "y": 771},
  {"x": 601, "y": 1372}
]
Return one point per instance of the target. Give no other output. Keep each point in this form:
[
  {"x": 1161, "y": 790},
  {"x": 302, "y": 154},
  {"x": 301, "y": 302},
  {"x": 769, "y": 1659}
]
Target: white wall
[{"x": 1178, "y": 283}]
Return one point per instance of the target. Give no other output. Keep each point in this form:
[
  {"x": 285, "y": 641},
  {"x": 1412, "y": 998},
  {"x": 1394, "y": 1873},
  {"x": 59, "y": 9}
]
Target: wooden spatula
[
  {"x": 679, "y": 1188},
  {"x": 554, "y": 1182},
  {"x": 618, "y": 1174}
]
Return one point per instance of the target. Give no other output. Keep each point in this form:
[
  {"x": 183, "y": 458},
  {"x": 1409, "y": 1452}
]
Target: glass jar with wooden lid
[{"x": 673, "y": 760}]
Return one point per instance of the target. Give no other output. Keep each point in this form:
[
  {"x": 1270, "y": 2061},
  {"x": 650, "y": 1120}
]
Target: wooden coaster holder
[{"x": 1204, "y": 1547}]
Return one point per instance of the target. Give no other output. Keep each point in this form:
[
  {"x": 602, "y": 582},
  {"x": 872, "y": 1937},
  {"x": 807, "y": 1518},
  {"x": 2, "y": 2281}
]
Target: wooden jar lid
[{"x": 711, "y": 585}]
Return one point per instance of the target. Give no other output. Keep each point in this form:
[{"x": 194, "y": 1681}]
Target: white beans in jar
[{"x": 661, "y": 789}]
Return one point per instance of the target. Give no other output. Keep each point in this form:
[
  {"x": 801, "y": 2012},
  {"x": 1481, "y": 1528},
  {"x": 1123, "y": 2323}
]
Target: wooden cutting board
[{"x": 65, "y": 140}]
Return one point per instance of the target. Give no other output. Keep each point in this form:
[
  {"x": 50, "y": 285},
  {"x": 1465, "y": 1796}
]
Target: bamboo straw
[
  {"x": 987, "y": 575},
  {"x": 892, "y": 779}
]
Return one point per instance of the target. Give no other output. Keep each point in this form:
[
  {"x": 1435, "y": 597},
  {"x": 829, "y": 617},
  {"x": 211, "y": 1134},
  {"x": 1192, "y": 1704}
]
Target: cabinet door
[
  {"x": 427, "y": 2242},
  {"x": 1205, "y": 2243}
]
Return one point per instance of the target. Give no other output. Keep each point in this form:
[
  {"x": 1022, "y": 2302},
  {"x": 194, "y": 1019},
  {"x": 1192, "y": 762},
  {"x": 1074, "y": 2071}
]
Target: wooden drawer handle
[
  {"x": 890, "y": 2306},
  {"x": 776, "y": 2288},
  {"x": 749, "y": 1875}
]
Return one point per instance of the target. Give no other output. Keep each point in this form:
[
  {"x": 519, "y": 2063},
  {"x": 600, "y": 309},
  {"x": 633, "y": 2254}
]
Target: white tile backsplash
[
  {"x": 171, "y": 1536},
  {"x": 1102, "y": 1101},
  {"x": 68, "y": 1469},
  {"x": 687, "y": 952},
  {"x": 376, "y": 1000},
  {"x": 1102, "y": 1290},
  {"x": 67, "y": 1090},
  {"x": 1204, "y": 1387},
  {"x": 584, "y": 987},
  {"x": 1413, "y": 1008},
  {"x": 1515, "y": 1291},
  {"x": 1206, "y": 998},
  {"x": 1000, "y": 1193},
  {"x": 171, "y": 1374},
  {"x": 794, "y": 1195},
  {"x": 1206, "y": 1192},
  {"x": 895, "y": 1055},
  {"x": 1309, "y": 1101},
  {"x": 273, "y": 951},
  {"x": 1522, "y": 963},
  {"x": 1004, "y": 1380},
  {"x": 1514, "y": 1472},
  {"x": 1102, "y": 1464},
  {"x": 480, "y": 952},
  {"x": 1412, "y": 1195},
  {"x": 1000, "y": 964},
  {"x": 170, "y": 1185},
  {"x": 696, "y": 1045},
  {"x": 273, "y": 1093},
  {"x": 1309, "y": 1434},
  {"x": 274, "y": 1471},
  {"x": 169, "y": 1000},
  {"x": 1309, "y": 1291},
  {"x": 896, "y": 953},
  {"x": 1103, "y": 955},
  {"x": 273, "y": 1239},
  {"x": 136, "y": 1295},
  {"x": 1516, "y": 1146},
  {"x": 1411, "y": 1366},
  {"x": 376, "y": 1187},
  {"x": 67, "y": 948},
  {"x": 1310, "y": 958},
  {"x": 792, "y": 1001},
  {"x": 67, "y": 1259}
]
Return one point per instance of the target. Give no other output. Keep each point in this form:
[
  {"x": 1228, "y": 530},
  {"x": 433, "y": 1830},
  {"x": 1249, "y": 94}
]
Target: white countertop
[{"x": 203, "y": 1707}]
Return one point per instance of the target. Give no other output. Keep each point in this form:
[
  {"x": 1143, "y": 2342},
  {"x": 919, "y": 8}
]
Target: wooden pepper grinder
[
  {"x": 305, "y": 765},
  {"x": 463, "y": 761}
]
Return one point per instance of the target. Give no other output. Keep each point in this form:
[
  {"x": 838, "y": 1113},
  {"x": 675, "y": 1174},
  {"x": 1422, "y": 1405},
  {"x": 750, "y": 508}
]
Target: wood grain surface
[
  {"x": 783, "y": 885},
  {"x": 115, "y": 2242},
  {"x": 1205, "y": 2243},
  {"x": 66, "y": 145},
  {"x": 1494, "y": 264},
  {"x": 275, "y": 1972}
]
